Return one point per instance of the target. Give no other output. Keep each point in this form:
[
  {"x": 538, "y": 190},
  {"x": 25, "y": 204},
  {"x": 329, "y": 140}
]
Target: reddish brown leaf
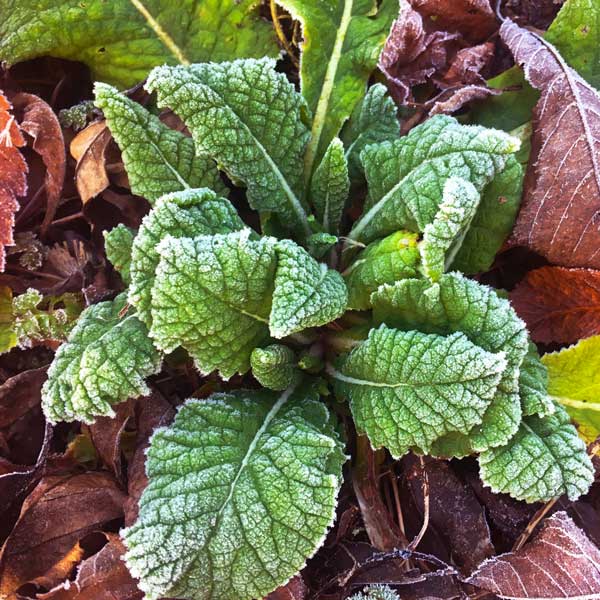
[
  {"x": 559, "y": 305},
  {"x": 88, "y": 148},
  {"x": 59, "y": 512},
  {"x": 106, "y": 436},
  {"x": 411, "y": 55},
  {"x": 467, "y": 64},
  {"x": 40, "y": 122},
  {"x": 452, "y": 99},
  {"x": 560, "y": 215},
  {"x": 102, "y": 576},
  {"x": 474, "y": 19},
  {"x": 152, "y": 411},
  {"x": 560, "y": 562},
  {"x": 454, "y": 511},
  {"x": 294, "y": 589},
  {"x": 13, "y": 175}
]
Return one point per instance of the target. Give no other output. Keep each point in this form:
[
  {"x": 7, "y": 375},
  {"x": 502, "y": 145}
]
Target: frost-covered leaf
[
  {"x": 533, "y": 385},
  {"x": 406, "y": 178},
  {"x": 559, "y": 563},
  {"x": 545, "y": 459},
  {"x": 158, "y": 160},
  {"x": 460, "y": 304},
  {"x": 374, "y": 120},
  {"x": 104, "y": 361},
  {"x": 342, "y": 42},
  {"x": 388, "y": 260},
  {"x": 574, "y": 381},
  {"x": 242, "y": 490},
  {"x": 330, "y": 186},
  {"x": 319, "y": 244},
  {"x": 212, "y": 296},
  {"x": 181, "y": 214},
  {"x": 376, "y": 592},
  {"x": 274, "y": 367},
  {"x": 122, "y": 40},
  {"x": 117, "y": 245},
  {"x": 307, "y": 293},
  {"x": 443, "y": 237},
  {"x": 250, "y": 120},
  {"x": 561, "y": 197},
  {"x": 407, "y": 388}
]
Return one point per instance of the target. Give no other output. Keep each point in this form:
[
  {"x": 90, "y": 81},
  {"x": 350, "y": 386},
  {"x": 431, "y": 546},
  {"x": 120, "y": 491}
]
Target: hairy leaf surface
[
  {"x": 104, "y": 361},
  {"x": 250, "y": 120},
  {"x": 374, "y": 120},
  {"x": 545, "y": 459},
  {"x": 181, "y": 214},
  {"x": 330, "y": 186},
  {"x": 242, "y": 490},
  {"x": 122, "y": 40},
  {"x": 407, "y": 388},
  {"x": 274, "y": 367},
  {"x": 533, "y": 385},
  {"x": 212, "y": 296},
  {"x": 406, "y": 178},
  {"x": 457, "y": 304},
  {"x": 117, "y": 244},
  {"x": 158, "y": 160},
  {"x": 388, "y": 260},
  {"x": 443, "y": 237},
  {"x": 307, "y": 293}
]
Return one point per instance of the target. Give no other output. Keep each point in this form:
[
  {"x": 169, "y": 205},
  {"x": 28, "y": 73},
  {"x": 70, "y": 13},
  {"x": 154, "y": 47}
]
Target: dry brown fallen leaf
[
  {"x": 59, "y": 512},
  {"x": 558, "y": 304},
  {"x": 88, "y": 148},
  {"x": 13, "y": 175},
  {"x": 40, "y": 122},
  {"x": 560, "y": 562},
  {"x": 102, "y": 576},
  {"x": 294, "y": 589},
  {"x": 560, "y": 214}
]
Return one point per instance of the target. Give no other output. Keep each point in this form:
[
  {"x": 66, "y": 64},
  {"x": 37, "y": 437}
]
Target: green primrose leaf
[
  {"x": 388, "y": 260},
  {"x": 251, "y": 121},
  {"x": 458, "y": 304},
  {"x": 330, "y": 186},
  {"x": 406, "y": 177},
  {"x": 181, "y": 214},
  {"x": 374, "y": 120},
  {"x": 407, "y": 388},
  {"x": 307, "y": 293},
  {"x": 104, "y": 361},
  {"x": 342, "y": 42},
  {"x": 574, "y": 381},
  {"x": 212, "y": 296},
  {"x": 274, "y": 367},
  {"x": 242, "y": 490},
  {"x": 117, "y": 244},
  {"x": 122, "y": 40},
  {"x": 545, "y": 459},
  {"x": 158, "y": 160},
  {"x": 443, "y": 237},
  {"x": 533, "y": 385}
]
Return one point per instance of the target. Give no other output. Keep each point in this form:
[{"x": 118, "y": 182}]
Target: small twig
[
  {"x": 537, "y": 517},
  {"x": 425, "y": 486},
  {"x": 281, "y": 36},
  {"x": 399, "y": 514}
]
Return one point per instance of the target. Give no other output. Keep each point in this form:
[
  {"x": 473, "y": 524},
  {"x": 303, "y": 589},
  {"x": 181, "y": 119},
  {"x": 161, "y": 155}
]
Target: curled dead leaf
[
  {"x": 88, "y": 148},
  {"x": 40, "y": 122}
]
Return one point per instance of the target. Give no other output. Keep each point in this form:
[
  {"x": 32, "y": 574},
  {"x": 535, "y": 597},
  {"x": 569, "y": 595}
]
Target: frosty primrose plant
[{"x": 243, "y": 485}]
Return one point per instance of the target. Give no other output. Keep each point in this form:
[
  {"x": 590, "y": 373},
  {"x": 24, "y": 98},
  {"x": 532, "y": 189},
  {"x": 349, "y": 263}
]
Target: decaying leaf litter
[{"x": 87, "y": 193}]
